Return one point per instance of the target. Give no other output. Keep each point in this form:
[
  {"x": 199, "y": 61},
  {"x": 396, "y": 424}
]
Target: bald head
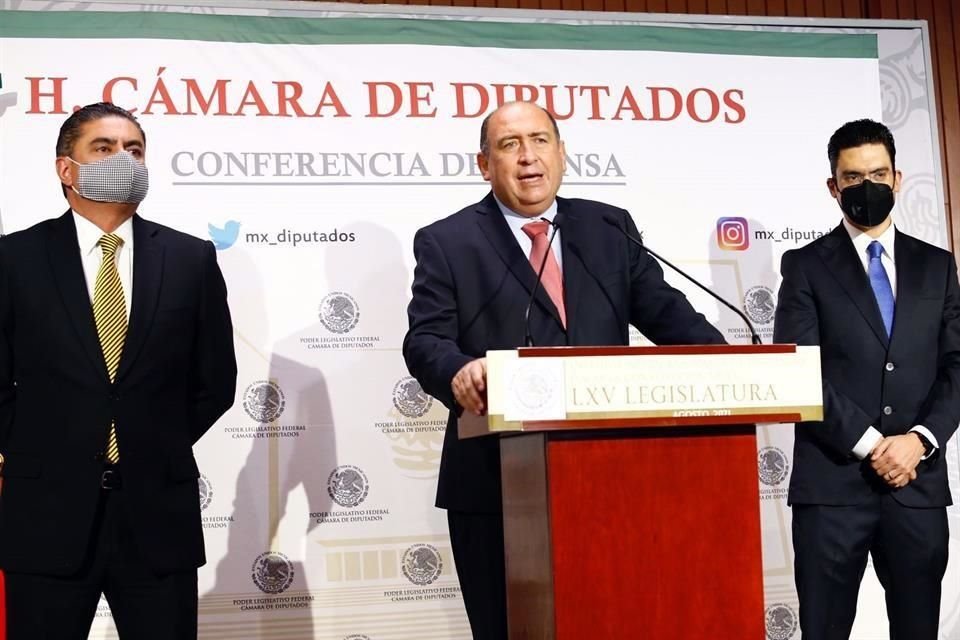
[
  {"x": 485, "y": 126},
  {"x": 522, "y": 157}
]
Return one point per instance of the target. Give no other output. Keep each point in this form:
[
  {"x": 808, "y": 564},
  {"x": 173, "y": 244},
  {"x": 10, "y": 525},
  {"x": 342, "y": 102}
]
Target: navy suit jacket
[
  {"x": 176, "y": 376},
  {"x": 471, "y": 285},
  {"x": 911, "y": 379}
]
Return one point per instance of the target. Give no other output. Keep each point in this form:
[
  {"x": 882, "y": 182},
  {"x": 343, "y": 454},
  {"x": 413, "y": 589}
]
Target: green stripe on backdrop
[{"x": 453, "y": 32}]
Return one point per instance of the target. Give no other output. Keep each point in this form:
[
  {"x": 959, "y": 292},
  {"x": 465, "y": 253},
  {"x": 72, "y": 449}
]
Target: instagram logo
[{"x": 733, "y": 234}]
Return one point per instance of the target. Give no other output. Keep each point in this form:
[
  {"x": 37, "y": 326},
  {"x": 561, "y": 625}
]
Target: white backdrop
[{"x": 309, "y": 146}]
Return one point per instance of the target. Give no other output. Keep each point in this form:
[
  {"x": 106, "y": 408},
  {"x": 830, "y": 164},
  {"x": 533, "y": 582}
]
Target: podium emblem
[{"x": 532, "y": 389}]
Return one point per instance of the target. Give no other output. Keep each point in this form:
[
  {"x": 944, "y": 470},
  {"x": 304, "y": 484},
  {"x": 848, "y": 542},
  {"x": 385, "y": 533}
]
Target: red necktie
[{"x": 552, "y": 279}]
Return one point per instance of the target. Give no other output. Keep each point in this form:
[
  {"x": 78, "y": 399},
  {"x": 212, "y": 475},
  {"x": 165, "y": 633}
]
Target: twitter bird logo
[{"x": 225, "y": 237}]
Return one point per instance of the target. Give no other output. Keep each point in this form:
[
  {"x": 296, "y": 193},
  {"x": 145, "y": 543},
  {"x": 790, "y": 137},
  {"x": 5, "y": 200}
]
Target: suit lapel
[
  {"x": 498, "y": 233},
  {"x": 586, "y": 255},
  {"x": 910, "y": 277},
  {"x": 147, "y": 276},
  {"x": 573, "y": 269},
  {"x": 842, "y": 261},
  {"x": 65, "y": 262}
]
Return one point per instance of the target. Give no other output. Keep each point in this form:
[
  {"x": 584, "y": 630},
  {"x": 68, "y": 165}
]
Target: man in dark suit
[
  {"x": 872, "y": 478},
  {"x": 473, "y": 279},
  {"x": 98, "y": 415}
]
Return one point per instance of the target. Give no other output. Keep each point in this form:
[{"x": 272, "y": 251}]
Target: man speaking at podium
[{"x": 476, "y": 272}]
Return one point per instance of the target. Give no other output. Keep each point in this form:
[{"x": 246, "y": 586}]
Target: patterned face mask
[{"x": 116, "y": 178}]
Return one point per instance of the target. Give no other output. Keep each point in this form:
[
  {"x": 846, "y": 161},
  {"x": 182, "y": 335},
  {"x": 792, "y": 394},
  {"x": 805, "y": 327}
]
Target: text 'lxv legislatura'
[{"x": 586, "y": 396}]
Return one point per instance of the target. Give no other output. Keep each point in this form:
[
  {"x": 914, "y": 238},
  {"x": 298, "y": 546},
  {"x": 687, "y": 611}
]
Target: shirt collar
[
  {"x": 861, "y": 240},
  {"x": 89, "y": 234},
  {"x": 515, "y": 218}
]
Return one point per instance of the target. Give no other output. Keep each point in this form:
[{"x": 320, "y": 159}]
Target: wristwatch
[{"x": 927, "y": 446}]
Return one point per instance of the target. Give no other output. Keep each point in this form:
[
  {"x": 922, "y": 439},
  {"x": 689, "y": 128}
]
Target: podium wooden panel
[
  {"x": 641, "y": 527},
  {"x": 647, "y": 534}
]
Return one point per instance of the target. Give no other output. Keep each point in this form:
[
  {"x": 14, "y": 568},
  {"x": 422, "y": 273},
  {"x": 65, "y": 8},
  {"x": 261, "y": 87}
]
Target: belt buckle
[{"x": 108, "y": 479}]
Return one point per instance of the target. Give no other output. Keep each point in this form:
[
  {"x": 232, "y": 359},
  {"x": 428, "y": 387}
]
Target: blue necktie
[{"x": 880, "y": 283}]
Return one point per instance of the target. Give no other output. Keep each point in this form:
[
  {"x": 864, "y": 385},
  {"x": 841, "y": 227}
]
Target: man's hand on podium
[{"x": 470, "y": 386}]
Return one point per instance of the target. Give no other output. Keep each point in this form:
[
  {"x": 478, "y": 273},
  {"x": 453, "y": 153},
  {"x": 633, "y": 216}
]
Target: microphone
[
  {"x": 611, "y": 220},
  {"x": 527, "y": 337}
]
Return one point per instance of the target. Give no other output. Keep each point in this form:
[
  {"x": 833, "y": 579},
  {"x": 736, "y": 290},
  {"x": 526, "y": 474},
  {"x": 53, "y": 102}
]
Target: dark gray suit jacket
[{"x": 471, "y": 285}]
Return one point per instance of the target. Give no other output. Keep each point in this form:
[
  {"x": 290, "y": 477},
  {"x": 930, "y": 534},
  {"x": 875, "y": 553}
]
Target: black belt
[{"x": 111, "y": 479}]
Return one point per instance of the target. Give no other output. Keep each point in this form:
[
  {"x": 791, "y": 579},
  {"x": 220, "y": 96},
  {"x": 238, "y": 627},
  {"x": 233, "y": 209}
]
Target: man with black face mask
[
  {"x": 884, "y": 308},
  {"x": 116, "y": 355}
]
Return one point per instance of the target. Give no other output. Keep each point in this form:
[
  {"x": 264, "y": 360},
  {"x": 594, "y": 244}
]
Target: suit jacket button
[
  {"x": 887, "y": 410},
  {"x": 889, "y": 366}
]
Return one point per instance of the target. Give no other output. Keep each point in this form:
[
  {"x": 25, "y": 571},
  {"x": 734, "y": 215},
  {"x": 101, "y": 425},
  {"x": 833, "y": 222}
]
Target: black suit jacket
[
  {"x": 176, "y": 376},
  {"x": 471, "y": 285},
  {"x": 825, "y": 299}
]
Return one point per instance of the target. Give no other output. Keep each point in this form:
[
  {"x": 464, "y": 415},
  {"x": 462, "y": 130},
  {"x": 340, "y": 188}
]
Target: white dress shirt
[
  {"x": 516, "y": 222},
  {"x": 91, "y": 255},
  {"x": 888, "y": 258},
  {"x": 861, "y": 241}
]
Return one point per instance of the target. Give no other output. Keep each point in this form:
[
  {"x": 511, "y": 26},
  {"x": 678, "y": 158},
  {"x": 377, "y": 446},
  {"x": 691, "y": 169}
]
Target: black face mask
[{"x": 868, "y": 203}]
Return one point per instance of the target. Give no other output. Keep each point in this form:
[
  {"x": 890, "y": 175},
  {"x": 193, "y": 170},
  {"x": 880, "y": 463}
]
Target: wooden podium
[{"x": 631, "y": 503}]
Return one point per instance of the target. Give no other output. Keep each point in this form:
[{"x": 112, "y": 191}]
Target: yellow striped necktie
[{"x": 110, "y": 315}]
